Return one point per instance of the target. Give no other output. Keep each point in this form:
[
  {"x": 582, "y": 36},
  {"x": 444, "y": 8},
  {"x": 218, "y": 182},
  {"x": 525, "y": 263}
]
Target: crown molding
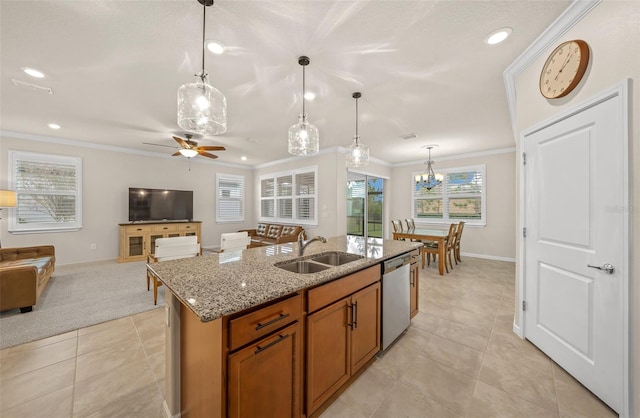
[
  {"x": 568, "y": 19},
  {"x": 462, "y": 156}
]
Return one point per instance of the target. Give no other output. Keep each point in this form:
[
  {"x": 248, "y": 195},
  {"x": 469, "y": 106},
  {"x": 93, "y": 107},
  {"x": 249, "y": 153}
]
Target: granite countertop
[{"x": 215, "y": 285}]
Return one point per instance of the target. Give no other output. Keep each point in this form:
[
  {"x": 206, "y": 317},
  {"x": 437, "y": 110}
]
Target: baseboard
[
  {"x": 165, "y": 411},
  {"x": 517, "y": 330},
  {"x": 489, "y": 257}
]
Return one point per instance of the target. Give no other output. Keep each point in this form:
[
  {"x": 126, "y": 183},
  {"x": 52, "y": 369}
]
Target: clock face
[{"x": 564, "y": 69}]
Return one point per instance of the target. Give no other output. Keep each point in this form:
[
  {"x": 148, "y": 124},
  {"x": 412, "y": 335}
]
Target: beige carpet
[{"x": 78, "y": 296}]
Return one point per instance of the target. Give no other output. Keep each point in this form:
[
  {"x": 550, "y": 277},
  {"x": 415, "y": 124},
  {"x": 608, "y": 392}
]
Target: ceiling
[{"x": 422, "y": 67}]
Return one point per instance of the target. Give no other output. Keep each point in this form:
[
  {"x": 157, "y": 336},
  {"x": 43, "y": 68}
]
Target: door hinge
[
  {"x": 524, "y": 305},
  {"x": 524, "y": 158},
  {"x": 524, "y": 232}
]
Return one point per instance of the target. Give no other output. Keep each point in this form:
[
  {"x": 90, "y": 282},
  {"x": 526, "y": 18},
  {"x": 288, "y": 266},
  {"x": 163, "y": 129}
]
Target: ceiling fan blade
[
  {"x": 182, "y": 142},
  {"x": 211, "y": 148},
  {"x": 206, "y": 154},
  {"x": 158, "y": 145},
  {"x": 175, "y": 154}
]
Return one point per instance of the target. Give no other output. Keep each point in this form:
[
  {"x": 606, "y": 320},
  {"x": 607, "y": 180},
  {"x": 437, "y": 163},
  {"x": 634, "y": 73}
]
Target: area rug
[{"x": 78, "y": 296}]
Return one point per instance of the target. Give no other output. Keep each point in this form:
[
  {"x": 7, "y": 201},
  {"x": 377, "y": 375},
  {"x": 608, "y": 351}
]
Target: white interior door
[{"x": 575, "y": 200}]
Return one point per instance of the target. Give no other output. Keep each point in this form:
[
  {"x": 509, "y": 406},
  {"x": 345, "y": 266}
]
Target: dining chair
[
  {"x": 450, "y": 244},
  {"x": 172, "y": 248},
  {"x": 456, "y": 249},
  {"x": 410, "y": 223},
  {"x": 397, "y": 225}
]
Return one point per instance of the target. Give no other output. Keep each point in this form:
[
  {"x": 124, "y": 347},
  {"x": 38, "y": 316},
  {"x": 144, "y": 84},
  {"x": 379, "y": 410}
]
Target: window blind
[
  {"x": 289, "y": 196},
  {"x": 48, "y": 190},
  {"x": 230, "y": 198}
]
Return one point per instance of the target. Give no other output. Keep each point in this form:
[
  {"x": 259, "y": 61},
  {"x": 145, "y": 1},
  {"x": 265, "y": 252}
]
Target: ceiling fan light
[
  {"x": 304, "y": 138},
  {"x": 188, "y": 152},
  {"x": 202, "y": 109}
]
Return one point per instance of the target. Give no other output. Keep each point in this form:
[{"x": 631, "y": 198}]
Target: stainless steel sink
[
  {"x": 336, "y": 258},
  {"x": 304, "y": 267}
]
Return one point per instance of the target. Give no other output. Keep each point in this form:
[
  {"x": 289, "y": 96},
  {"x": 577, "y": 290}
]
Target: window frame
[
  {"x": 480, "y": 168},
  {"x": 230, "y": 178},
  {"x": 293, "y": 198},
  {"x": 16, "y": 228}
]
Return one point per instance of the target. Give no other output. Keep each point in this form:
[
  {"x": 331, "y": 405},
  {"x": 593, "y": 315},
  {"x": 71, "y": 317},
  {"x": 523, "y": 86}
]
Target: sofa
[
  {"x": 272, "y": 234},
  {"x": 24, "y": 273}
]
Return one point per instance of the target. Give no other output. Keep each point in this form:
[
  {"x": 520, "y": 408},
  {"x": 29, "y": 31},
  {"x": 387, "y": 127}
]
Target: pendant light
[
  {"x": 202, "y": 108},
  {"x": 429, "y": 179},
  {"x": 358, "y": 154},
  {"x": 303, "y": 137}
]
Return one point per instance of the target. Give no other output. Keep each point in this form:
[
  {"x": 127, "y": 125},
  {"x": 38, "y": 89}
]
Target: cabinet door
[
  {"x": 365, "y": 326},
  {"x": 413, "y": 288},
  {"x": 265, "y": 378},
  {"x": 135, "y": 243},
  {"x": 328, "y": 345},
  {"x": 152, "y": 241}
]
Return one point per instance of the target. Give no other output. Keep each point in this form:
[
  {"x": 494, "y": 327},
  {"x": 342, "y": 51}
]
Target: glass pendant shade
[
  {"x": 202, "y": 109},
  {"x": 358, "y": 155},
  {"x": 304, "y": 138}
]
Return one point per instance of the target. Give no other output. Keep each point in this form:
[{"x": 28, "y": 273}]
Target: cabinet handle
[
  {"x": 273, "y": 321},
  {"x": 350, "y": 323},
  {"x": 355, "y": 315},
  {"x": 139, "y": 229},
  {"x": 272, "y": 343}
]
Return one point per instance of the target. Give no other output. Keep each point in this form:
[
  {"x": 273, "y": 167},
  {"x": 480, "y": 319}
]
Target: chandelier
[
  {"x": 429, "y": 179},
  {"x": 358, "y": 154},
  {"x": 202, "y": 108},
  {"x": 304, "y": 138}
]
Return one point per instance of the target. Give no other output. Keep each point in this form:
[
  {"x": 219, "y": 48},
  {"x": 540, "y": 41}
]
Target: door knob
[{"x": 607, "y": 268}]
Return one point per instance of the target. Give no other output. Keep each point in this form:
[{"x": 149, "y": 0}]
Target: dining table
[{"x": 421, "y": 234}]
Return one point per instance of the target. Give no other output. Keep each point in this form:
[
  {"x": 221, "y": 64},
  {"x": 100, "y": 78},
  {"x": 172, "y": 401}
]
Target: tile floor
[{"x": 459, "y": 358}]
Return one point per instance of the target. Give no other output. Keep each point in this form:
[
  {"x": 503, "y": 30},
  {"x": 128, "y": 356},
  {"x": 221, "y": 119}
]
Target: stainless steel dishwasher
[{"x": 395, "y": 298}]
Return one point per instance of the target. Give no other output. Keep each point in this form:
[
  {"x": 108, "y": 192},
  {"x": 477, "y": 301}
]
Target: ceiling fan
[{"x": 190, "y": 148}]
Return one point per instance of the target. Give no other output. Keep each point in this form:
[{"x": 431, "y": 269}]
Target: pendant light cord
[
  {"x": 304, "y": 115},
  {"x": 356, "y": 121},
  {"x": 204, "y": 15}
]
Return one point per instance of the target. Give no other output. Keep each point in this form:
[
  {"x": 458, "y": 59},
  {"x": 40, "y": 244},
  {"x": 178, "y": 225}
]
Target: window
[
  {"x": 49, "y": 192},
  {"x": 460, "y": 197},
  {"x": 289, "y": 197},
  {"x": 230, "y": 198}
]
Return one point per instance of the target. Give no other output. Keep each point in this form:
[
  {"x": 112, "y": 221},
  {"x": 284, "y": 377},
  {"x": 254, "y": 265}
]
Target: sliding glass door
[{"x": 365, "y": 198}]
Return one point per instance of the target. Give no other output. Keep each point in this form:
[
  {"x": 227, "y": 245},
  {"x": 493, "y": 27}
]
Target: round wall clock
[{"x": 564, "y": 69}]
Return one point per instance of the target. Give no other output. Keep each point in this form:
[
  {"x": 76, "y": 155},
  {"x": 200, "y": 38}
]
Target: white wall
[
  {"x": 106, "y": 177},
  {"x": 612, "y": 30},
  {"x": 497, "y": 238}
]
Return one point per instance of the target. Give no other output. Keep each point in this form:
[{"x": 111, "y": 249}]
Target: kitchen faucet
[{"x": 302, "y": 245}]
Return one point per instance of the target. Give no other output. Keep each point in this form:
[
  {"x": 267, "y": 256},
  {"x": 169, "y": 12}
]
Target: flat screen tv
[{"x": 160, "y": 205}]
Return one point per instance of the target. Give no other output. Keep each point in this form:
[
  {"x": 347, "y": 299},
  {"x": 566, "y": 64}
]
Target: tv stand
[{"x": 138, "y": 239}]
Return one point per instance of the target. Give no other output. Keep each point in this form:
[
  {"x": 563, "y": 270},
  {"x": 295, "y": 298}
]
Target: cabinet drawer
[
  {"x": 328, "y": 293},
  {"x": 189, "y": 227},
  {"x": 256, "y": 324},
  {"x": 135, "y": 230},
  {"x": 164, "y": 228},
  {"x": 415, "y": 254}
]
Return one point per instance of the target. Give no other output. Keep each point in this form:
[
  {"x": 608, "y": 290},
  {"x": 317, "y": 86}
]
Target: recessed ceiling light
[
  {"x": 33, "y": 72},
  {"x": 309, "y": 95},
  {"x": 215, "y": 47},
  {"x": 497, "y": 36},
  {"x": 243, "y": 158},
  {"x": 54, "y": 126}
]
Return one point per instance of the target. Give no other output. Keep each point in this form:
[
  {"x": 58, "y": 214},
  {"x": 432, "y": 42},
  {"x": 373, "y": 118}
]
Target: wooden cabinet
[
  {"x": 413, "y": 283},
  {"x": 136, "y": 240},
  {"x": 343, "y": 336},
  {"x": 265, "y": 377}
]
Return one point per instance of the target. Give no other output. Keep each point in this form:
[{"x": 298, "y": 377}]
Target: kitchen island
[{"x": 254, "y": 339}]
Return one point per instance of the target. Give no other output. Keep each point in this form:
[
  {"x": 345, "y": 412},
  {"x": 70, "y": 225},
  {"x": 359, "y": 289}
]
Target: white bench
[{"x": 170, "y": 249}]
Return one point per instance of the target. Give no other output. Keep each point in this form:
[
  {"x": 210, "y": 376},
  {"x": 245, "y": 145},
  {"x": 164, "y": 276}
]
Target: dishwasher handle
[{"x": 396, "y": 263}]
